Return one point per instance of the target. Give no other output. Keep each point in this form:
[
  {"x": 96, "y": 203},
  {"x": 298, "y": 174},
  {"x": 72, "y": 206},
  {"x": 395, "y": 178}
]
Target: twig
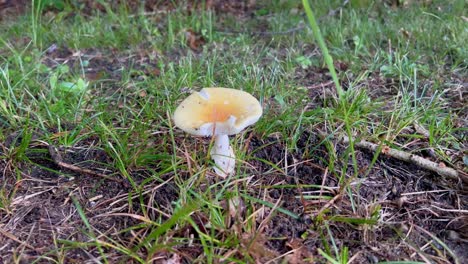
[
  {"x": 408, "y": 157},
  {"x": 440, "y": 242},
  {"x": 14, "y": 238},
  {"x": 320, "y": 85},
  {"x": 57, "y": 158},
  {"x": 421, "y": 130},
  {"x": 324, "y": 178},
  {"x": 329, "y": 203}
]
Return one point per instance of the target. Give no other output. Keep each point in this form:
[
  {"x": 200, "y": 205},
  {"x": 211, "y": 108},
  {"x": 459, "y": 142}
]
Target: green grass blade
[
  {"x": 88, "y": 225},
  {"x": 279, "y": 209},
  {"x": 326, "y": 55},
  {"x": 179, "y": 214}
]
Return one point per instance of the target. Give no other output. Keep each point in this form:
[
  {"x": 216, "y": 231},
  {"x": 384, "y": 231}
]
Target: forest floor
[{"x": 94, "y": 170}]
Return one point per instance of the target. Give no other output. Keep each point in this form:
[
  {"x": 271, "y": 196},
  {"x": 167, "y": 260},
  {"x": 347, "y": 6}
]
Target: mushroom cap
[{"x": 217, "y": 111}]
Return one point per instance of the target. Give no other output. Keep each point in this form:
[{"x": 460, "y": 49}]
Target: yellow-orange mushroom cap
[{"x": 217, "y": 111}]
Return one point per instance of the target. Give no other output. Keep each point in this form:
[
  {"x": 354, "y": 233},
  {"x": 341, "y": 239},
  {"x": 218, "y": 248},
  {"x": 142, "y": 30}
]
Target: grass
[{"x": 102, "y": 86}]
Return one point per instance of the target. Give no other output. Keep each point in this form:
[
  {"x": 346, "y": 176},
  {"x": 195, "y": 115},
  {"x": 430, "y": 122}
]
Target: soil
[
  {"x": 403, "y": 191},
  {"x": 412, "y": 203},
  {"x": 411, "y": 206}
]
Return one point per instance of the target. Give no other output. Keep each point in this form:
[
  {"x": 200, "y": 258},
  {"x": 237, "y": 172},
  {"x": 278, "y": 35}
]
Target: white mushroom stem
[{"x": 223, "y": 156}]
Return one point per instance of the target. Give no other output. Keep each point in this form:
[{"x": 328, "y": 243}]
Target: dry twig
[
  {"x": 415, "y": 159},
  {"x": 57, "y": 158},
  {"x": 14, "y": 238}
]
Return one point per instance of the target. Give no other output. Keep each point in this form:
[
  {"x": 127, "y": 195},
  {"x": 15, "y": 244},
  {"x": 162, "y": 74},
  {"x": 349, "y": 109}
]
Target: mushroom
[{"x": 218, "y": 112}]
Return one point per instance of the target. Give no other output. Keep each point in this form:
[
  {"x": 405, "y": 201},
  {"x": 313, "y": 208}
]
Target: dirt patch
[
  {"x": 11, "y": 8},
  {"x": 104, "y": 64},
  {"x": 394, "y": 211},
  {"x": 401, "y": 199},
  {"x": 89, "y": 7},
  {"x": 413, "y": 203},
  {"x": 43, "y": 209}
]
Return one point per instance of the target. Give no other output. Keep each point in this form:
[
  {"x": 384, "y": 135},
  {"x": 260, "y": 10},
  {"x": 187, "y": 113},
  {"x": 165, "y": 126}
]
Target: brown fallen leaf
[
  {"x": 155, "y": 72},
  {"x": 255, "y": 244},
  {"x": 95, "y": 75},
  {"x": 236, "y": 206},
  {"x": 194, "y": 40},
  {"x": 300, "y": 254},
  {"x": 142, "y": 93},
  {"x": 405, "y": 33},
  {"x": 176, "y": 259},
  {"x": 385, "y": 149},
  {"x": 340, "y": 65}
]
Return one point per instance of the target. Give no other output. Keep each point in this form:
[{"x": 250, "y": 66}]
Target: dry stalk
[
  {"x": 14, "y": 238},
  {"x": 57, "y": 158},
  {"x": 411, "y": 158}
]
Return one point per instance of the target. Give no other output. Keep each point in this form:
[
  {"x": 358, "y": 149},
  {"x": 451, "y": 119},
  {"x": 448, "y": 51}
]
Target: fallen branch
[
  {"x": 57, "y": 158},
  {"x": 415, "y": 159},
  {"x": 320, "y": 85},
  {"x": 329, "y": 203}
]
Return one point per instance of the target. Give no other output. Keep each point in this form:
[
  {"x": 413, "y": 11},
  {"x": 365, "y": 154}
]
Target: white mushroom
[{"x": 218, "y": 112}]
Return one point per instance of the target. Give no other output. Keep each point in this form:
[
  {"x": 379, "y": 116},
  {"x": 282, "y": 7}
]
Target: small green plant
[
  {"x": 341, "y": 258},
  {"x": 5, "y": 200},
  {"x": 400, "y": 66},
  {"x": 304, "y": 62},
  {"x": 67, "y": 93},
  {"x": 54, "y": 4},
  {"x": 323, "y": 47}
]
